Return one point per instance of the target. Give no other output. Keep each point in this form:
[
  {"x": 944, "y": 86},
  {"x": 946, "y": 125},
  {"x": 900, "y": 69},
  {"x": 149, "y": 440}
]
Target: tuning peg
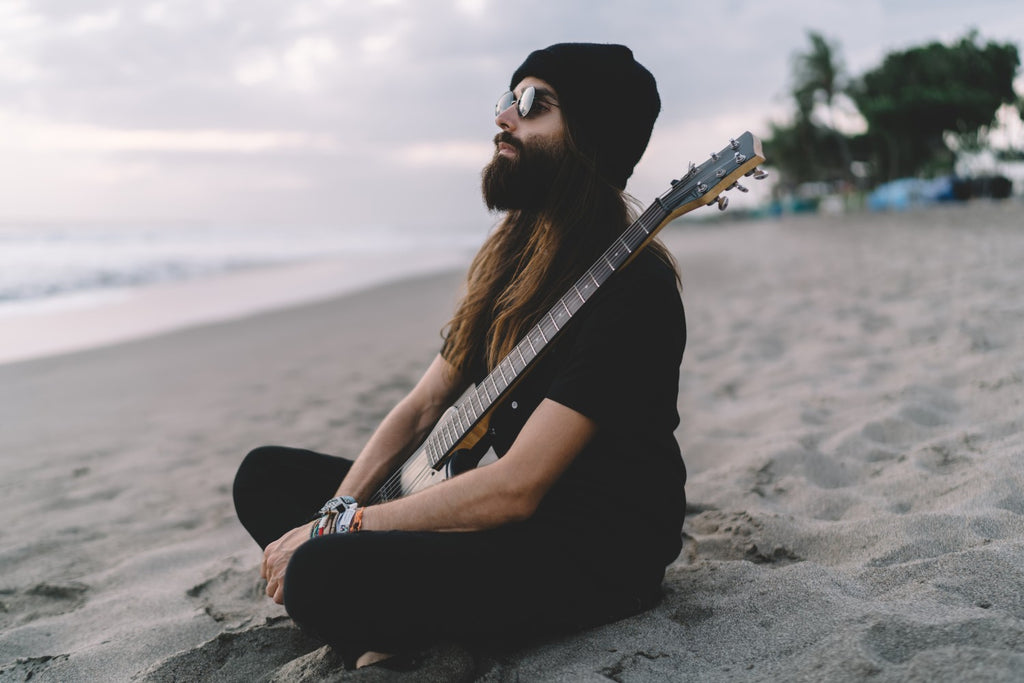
[
  {"x": 739, "y": 187},
  {"x": 714, "y": 156},
  {"x": 723, "y": 202},
  {"x": 759, "y": 174},
  {"x": 733, "y": 144}
]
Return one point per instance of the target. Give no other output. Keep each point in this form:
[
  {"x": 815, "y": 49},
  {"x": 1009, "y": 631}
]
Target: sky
[{"x": 377, "y": 112}]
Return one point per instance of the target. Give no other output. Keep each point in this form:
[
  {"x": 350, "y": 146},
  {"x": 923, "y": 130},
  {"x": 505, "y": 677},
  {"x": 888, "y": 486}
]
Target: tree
[
  {"x": 918, "y": 96},
  {"x": 810, "y": 148}
]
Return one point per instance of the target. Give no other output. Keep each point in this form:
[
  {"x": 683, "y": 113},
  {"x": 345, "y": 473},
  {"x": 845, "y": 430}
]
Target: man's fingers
[{"x": 279, "y": 593}]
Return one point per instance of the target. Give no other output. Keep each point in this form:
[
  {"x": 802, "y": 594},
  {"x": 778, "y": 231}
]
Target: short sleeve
[{"x": 622, "y": 368}]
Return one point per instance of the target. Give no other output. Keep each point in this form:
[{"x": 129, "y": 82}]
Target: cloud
[
  {"x": 303, "y": 65},
  {"x": 92, "y": 23},
  {"x": 348, "y": 98},
  {"x": 27, "y": 134},
  {"x": 460, "y": 154}
]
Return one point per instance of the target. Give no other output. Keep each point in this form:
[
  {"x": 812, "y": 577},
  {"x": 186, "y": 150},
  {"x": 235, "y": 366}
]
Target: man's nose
[{"x": 507, "y": 119}]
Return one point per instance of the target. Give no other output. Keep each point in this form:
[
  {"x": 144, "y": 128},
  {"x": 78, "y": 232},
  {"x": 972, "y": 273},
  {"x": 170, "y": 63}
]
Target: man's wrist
[{"x": 338, "y": 520}]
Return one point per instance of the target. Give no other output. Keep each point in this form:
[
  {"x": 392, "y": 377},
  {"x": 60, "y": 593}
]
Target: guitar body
[{"x": 418, "y": 472}]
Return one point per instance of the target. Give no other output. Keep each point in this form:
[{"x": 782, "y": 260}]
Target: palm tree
[{"x": 819, "y": 75}]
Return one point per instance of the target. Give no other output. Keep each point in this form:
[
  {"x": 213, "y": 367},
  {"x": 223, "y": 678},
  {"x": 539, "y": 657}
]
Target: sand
[{"x": 851, "y": 419}]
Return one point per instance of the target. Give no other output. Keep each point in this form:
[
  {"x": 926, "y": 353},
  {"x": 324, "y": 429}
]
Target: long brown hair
[{"x": 532, "y": 258}]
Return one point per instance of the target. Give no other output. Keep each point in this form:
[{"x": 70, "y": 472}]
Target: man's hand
[{"x": 276, "y": 557}]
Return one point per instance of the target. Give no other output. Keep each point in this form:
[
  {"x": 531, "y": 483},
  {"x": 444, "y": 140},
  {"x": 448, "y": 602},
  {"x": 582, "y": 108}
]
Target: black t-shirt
[{"x": 621, "y": 501}]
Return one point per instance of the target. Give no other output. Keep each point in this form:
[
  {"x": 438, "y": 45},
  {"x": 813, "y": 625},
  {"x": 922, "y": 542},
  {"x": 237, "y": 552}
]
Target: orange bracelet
[{"x": 357, "y": 521}]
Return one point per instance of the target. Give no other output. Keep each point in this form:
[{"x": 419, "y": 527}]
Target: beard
[{"x": 523, "y": 182}]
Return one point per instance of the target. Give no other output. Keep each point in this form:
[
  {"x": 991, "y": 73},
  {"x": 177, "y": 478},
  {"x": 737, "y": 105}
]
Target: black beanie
[{"x": 609, "y": 100}]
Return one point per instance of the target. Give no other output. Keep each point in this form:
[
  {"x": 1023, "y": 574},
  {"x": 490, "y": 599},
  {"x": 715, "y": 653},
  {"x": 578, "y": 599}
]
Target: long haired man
[{"x": 575, "y": 521}]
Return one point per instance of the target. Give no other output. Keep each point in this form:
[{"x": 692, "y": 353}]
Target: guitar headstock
[{"x": 721, "y": 172}]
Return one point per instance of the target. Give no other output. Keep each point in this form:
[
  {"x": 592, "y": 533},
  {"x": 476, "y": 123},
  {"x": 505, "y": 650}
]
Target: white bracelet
[{"x": 345, "y": 520}]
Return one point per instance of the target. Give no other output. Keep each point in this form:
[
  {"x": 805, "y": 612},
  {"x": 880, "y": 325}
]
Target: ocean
[
  {"x": 68, "y": 286},
  {"x": 40, "y": 264}
]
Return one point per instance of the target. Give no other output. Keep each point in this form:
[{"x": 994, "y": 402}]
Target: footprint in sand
[
  {"x": 940, "y": 458},
  {"x": 234, "y": 656},
  {"x": 27, "y": 668},
  {"x": 733, "y": 536},
  {"x": 20, "y": 606},
  {"x": 899, "y": 641},
  {"x": 235, "y": 599}
]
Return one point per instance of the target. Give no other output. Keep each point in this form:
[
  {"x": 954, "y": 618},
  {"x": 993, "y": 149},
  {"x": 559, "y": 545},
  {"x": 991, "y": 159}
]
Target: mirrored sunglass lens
[
  {"x": 504, "y": 102},
  {"x": 526, "y": 101}
]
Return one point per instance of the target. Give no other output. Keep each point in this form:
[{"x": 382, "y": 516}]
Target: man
[{"x": 575, "y": 522}]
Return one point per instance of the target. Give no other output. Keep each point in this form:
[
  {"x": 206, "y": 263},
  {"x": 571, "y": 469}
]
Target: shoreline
[{"x": 104, "y": 317}]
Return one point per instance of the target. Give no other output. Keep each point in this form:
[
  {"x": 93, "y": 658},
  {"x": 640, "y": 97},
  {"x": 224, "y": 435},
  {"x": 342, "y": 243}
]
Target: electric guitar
[{"x": 461, "y": 430}]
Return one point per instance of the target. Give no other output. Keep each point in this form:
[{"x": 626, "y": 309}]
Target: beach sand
[{"x": 851, "y": 404}]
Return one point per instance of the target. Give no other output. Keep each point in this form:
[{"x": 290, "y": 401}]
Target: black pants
[{"x": 393, "y": 591}]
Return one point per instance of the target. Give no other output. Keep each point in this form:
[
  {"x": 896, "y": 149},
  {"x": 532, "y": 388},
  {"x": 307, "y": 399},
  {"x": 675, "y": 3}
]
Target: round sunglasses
[{"x": 525, "y": 102}]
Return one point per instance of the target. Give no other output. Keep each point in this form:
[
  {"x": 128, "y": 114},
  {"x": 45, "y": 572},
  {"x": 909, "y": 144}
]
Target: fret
[
  {"x": 448, "y": 438},
  {"x": 610, "y": 264},
  {"x": 439, "y": 440},
  {"x": 479, "y": 404},
  {"x": 521, "y": 356},
  {"x": 567, "y": 311},
  {"x": 465, "y": 409},
  {"x": 596, "y": 283},
  {"x": 497, "y": 392},
  {"x": 541, "y": 332},
  {"x": 539, "y": 337},
  {"x": 577, "y": 290},
  {"x": 502, "y": 372},
  {"x": 528, "y": 341},
  {"x": 554, "y": 323}
]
